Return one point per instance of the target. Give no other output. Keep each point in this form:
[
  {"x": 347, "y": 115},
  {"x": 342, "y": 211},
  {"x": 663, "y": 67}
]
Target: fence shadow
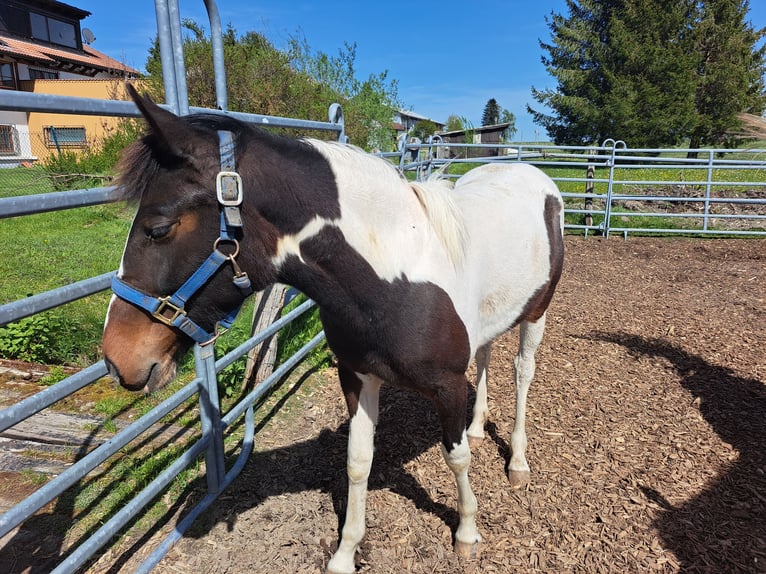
[
  {"x": 319, "y": 463},
  {"x": 723, "y": 529}
]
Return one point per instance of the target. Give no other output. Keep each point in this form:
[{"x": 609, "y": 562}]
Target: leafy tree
[
  {"x": 491, "y": 115},
  {"x": 262, "y": 79},
  {"x": 368, "y": 105},
  {"x": 423, "y": 129},
  {"x": 506, "y": 117},
  {"x": 454, "y": 123},
  {"x": 637, "y": 70}
]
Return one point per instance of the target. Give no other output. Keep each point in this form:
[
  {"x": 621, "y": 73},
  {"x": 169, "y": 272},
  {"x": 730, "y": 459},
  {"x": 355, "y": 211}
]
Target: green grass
[{"x": 48, "y": 250}]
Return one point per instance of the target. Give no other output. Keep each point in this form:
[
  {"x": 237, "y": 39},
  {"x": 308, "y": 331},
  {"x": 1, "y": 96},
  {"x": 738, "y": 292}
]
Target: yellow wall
[{"x": 96, "y": 127}]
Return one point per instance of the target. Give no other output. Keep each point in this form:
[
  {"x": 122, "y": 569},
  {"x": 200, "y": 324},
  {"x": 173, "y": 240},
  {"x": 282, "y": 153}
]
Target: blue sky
[{"x": 449, "y": 57}]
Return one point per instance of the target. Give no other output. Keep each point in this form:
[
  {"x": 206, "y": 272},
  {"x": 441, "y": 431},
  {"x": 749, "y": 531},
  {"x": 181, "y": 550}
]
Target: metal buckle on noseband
[{"x": 159, "y": 312}]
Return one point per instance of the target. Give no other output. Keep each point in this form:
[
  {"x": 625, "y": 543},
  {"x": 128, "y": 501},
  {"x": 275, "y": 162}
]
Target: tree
[
  {"x": 423, "y": 129},
  {"x": 454, "y": 123},
  {"x": 368, "y": 105},
  {"x": 491, "y": 115},
  {"x": 730, "y": 73},
  {"x": 506, "y": 117},
  {"x": 635, "y": 69},
  {"x": 297, "y": 83}
]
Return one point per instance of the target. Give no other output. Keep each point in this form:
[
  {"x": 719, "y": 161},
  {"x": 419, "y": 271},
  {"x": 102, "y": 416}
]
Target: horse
[{"x": 412, "y": 280}]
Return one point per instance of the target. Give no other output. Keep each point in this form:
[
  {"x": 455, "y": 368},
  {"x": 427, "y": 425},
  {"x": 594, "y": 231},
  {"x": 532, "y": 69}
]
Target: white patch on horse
[
  {"x": 429, "y": 237},
  {"x": 288, "y": 245}
]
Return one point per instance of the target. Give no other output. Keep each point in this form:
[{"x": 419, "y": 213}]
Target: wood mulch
[{"x": 646, "y": 427}]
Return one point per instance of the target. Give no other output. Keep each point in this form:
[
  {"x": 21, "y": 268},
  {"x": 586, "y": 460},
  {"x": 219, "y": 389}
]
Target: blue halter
[{"x": 170, "y": 309}]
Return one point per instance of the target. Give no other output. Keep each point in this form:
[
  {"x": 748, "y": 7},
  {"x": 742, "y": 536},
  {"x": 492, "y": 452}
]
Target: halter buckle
[
  {"x": 166, "y": 305},
  {"x": 228, "y": 188}
]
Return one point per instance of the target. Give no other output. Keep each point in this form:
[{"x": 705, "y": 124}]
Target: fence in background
[{"x": 615, "y": 189}]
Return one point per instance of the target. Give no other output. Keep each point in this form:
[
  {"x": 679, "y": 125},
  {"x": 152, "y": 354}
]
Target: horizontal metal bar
[
  {"x": 81, "y": 554},
  {"x": 55, "y": 297},
  {"x": 25, "y": 408},
  {"x": 78, "y": 470},
  {"x": 261, "y": 336},
  {"x": 32, "y": 102},
  {"x": 55, "y": 201}
]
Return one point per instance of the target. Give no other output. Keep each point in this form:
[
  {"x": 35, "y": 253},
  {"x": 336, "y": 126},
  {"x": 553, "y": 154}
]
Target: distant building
[
  {"x": 42, "y": 51},
  {"x": 493, "y": 134},
  {"x": 404, "y": 121}
]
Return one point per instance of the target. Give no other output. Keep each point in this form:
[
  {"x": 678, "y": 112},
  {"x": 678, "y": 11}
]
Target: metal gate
[{"x": 213, "y": 422}]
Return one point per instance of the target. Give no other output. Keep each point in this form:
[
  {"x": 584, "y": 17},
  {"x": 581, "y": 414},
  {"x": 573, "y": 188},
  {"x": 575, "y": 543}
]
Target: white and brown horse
[{"x": 412, "y": 280}]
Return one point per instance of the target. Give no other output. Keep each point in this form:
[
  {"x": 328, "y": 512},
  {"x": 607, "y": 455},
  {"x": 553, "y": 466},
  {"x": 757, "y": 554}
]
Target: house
[
  {"x": 492, "y": 134},
  {"x": 42, "y": 51},
  {"x": 404, "y": 121}
]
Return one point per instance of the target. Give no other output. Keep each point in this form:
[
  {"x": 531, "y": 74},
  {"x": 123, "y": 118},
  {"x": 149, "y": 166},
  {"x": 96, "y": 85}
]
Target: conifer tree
[
  {"x": 650, "y": 72},
  {"x": 491, "y": 115}
]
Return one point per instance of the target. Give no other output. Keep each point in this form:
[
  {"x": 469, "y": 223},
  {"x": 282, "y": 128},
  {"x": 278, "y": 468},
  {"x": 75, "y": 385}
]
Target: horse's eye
[{"x": 158, "y": 232}]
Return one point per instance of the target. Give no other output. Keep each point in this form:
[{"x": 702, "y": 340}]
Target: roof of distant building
[{"x": 59, "y": 58}]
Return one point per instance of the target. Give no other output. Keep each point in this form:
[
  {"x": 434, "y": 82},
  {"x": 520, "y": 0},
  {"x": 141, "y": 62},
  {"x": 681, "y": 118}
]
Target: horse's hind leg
[
  {"x": 530, "y": 336},
  {"x": 362, "y": 394},
  {"x": 480, "y": 408},
  {"x": 450, "y": 403}
]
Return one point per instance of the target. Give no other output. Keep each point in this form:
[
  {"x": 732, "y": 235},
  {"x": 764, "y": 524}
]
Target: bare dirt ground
[{"x": 646, "y": 427}]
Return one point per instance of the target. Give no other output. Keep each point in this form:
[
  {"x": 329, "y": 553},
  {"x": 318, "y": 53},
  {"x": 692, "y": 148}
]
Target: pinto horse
[{"x": 412, "y": 280}]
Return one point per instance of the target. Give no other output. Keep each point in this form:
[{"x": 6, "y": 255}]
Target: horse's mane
[{"x": 434, "y": 195}]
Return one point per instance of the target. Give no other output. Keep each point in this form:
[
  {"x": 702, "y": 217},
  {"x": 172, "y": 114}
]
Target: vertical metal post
[
  {"x": 335, "y": 116},
  {"x": 590, "y": 174},
  {"x": 219, "y": 65},
  {"x": 210, "y": 416},
  {"x": 609, "y": 189},
  {"x": 708, "y": 188},
  {"x": 165, "y": 38}
]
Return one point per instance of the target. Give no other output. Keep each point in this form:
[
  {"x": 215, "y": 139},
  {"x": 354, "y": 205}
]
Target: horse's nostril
[{"x": 112, "y": 370}]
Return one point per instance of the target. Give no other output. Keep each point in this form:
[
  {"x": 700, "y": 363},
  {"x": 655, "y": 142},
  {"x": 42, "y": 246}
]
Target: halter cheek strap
[{"x": 170, "y": 309}]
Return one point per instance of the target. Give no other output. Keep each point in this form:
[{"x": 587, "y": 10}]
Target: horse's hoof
[
  {"x": 468, "y": 550},
  {"x": 518, "y": 479},
  {"x": 340, "y": 565},
  {"x": 474, "y": 442}
]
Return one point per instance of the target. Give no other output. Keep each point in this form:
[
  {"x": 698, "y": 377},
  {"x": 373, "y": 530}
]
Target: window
[
  {"x": 52, "y": 30},
  {"x": 64, "y": 137},
  {"x": 35, "y": 74},
  {"x": 62, "y": 33},
  {"x": 7, "y": 140},
  {"x": 7, "y": 75}
]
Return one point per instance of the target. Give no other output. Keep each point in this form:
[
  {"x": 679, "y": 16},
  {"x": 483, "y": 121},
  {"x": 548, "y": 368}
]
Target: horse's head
[{"x": 172, "y": 174}]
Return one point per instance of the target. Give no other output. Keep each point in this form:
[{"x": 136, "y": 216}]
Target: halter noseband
[{"x": 170, "y": 309}]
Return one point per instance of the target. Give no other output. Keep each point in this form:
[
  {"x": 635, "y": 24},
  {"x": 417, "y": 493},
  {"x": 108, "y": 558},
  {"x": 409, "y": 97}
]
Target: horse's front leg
[
  {"x": 362, "y": 392},
  {"x": 450, "y": 403}
]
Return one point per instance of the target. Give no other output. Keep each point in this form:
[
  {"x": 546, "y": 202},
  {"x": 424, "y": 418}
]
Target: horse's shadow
[{"x": 722, "y": 529}]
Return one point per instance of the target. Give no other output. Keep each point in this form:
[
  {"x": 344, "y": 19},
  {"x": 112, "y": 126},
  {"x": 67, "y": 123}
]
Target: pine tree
[
  {"x": 730, "y": 73},
  {"x": 650, "y": 72},
  {"x": 491, "y": 115}
]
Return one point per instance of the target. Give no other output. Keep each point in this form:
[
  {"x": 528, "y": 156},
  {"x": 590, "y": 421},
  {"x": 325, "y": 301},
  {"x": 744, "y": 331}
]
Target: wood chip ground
[{"x": 647, "y": 441}]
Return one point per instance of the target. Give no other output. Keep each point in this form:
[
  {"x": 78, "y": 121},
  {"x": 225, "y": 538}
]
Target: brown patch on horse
[{"x": 538, "y": 303}]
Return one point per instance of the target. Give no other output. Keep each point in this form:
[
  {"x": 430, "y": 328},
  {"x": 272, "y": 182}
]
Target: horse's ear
[{"x": 172, "y": 137}]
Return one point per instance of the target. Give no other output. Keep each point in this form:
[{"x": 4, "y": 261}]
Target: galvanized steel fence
[
  {"x": 615, "y": 189},
  {"x": 213, "y": 421},
  {"x": 608, "y": 189}
]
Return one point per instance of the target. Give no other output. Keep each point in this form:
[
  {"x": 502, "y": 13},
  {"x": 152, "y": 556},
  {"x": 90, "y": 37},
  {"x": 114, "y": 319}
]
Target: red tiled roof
[{"x": 50, "y": 55}]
